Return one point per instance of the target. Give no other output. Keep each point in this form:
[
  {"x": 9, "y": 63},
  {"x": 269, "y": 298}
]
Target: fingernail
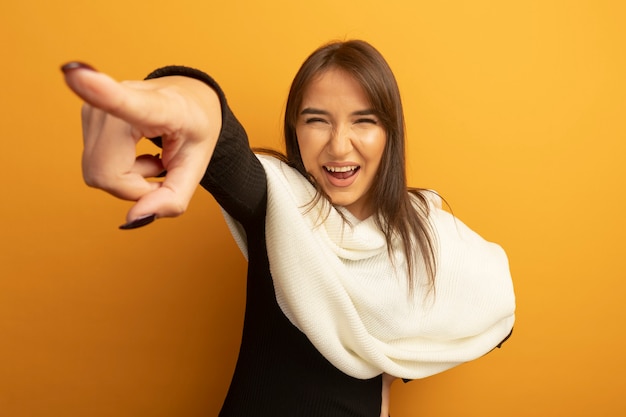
[
  {"x": 74, "y": 65},
  {"x": 139, "y": 222}
]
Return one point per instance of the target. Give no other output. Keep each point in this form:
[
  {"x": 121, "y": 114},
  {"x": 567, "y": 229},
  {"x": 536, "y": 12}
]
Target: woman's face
[{"x": 341, "y": 140}]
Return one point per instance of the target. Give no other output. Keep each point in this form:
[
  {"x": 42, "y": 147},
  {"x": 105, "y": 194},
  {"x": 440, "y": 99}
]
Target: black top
[{"x": 279, "y": 373}]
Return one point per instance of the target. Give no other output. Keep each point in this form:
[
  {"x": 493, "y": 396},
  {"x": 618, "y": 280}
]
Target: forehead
[{"x": 336, "y": 86}]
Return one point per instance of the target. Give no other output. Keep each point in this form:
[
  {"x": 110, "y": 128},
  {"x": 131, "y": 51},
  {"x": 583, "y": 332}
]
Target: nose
[{"x": 340, "y": 142}]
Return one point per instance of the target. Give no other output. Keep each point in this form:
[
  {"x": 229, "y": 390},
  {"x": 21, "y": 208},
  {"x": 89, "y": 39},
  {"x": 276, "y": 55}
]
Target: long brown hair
[{"x": 397, "y": 213}]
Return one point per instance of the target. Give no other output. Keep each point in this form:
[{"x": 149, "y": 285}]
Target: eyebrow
[{"x": 311, "y": 110}]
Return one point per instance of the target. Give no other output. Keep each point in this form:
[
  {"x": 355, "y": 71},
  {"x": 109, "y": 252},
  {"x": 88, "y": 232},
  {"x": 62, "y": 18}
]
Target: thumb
[{"x": 174, "y": 194}]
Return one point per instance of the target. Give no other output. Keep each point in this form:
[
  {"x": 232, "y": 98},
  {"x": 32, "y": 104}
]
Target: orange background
[{"x": 515, "y": 114}]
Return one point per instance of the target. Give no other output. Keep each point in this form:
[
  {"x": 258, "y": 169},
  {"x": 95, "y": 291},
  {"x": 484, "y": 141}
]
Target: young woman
[{"x": 353, "y": 279}]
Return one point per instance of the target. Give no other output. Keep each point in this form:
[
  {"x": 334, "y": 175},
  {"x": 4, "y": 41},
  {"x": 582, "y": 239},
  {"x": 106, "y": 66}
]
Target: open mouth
[{"x": 342, "y": 173}]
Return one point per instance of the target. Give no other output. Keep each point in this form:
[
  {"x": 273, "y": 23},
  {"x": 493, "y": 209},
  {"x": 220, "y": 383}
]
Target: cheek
[
  {"x": 302, "y": 145},
  {"x": 309, "y": 150},
  {"x": 375, "y": 145}
]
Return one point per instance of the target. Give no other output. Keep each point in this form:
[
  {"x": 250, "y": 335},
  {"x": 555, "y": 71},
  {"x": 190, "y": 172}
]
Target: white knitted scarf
[{"x": 337, "y": 284}]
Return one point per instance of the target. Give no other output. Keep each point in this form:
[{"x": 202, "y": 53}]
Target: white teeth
[{"x": 341, "y": 169}]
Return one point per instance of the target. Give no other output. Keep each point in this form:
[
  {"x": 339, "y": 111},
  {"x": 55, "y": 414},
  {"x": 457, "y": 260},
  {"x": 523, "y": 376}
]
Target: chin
[{"x": 341, "y": 202}]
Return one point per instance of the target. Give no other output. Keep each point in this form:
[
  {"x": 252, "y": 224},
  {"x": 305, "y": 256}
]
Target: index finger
[{"x": 130, "y": 101}]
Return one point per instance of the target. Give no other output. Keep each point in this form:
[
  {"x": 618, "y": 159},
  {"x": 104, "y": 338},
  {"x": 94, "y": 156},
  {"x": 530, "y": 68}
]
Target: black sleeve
[{"x": 234, "y": 176}]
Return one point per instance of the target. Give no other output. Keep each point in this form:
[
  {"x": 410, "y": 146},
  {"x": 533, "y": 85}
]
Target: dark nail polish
[
  {"x": 139, "y": 222},
  {"x": 70, "y": 66}
]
